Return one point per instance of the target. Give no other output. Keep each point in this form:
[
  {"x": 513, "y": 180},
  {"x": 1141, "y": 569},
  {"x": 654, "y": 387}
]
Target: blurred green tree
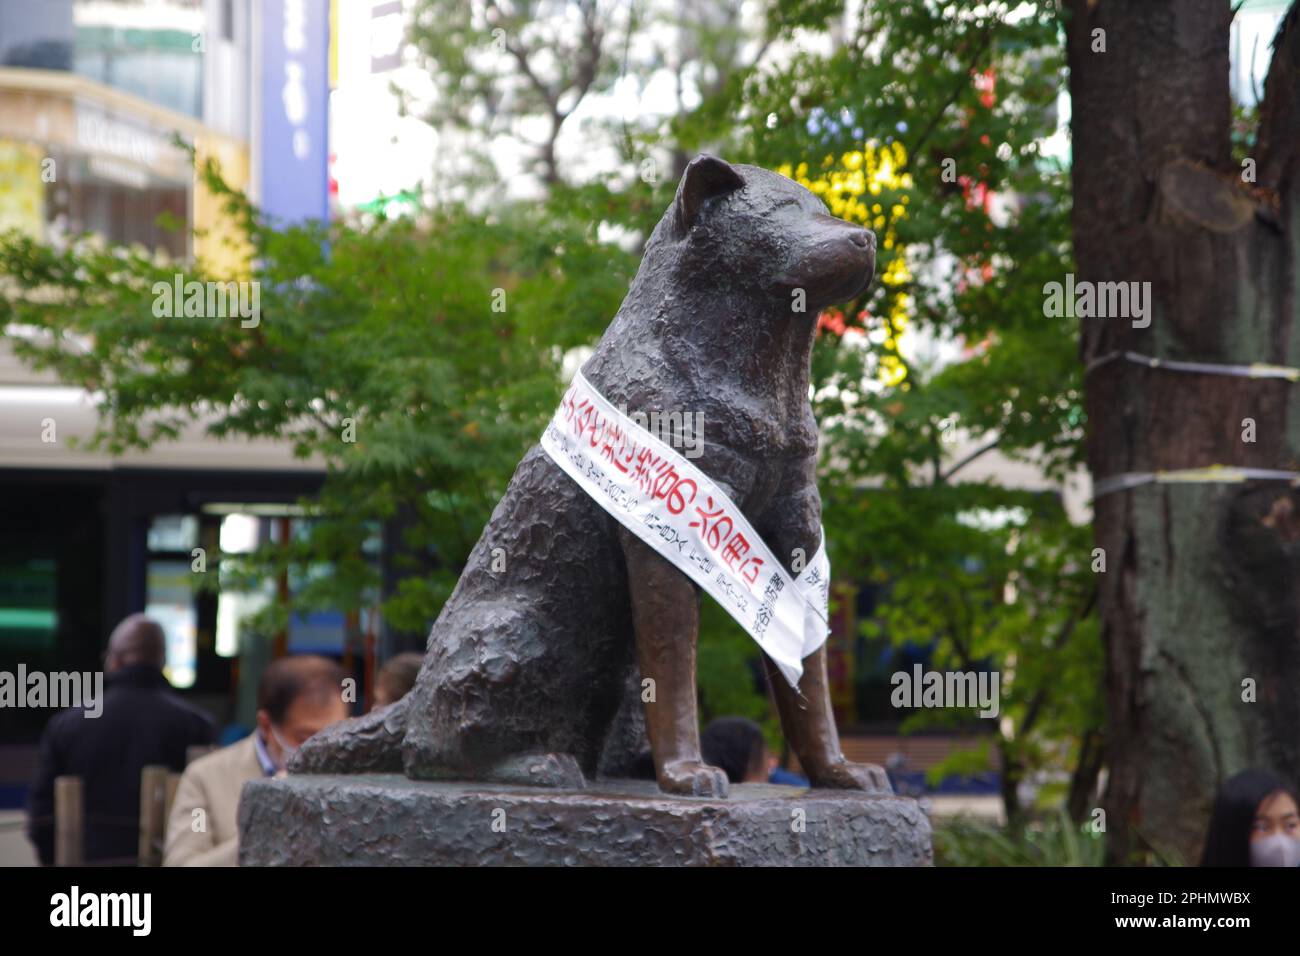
[
  {"x": 392, "y": 327},
  {"x": 927, "y": 122},
  {"x": 415, "y": 359}
]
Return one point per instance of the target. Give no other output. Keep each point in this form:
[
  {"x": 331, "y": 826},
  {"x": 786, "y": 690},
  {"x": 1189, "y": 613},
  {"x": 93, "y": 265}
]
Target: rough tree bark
[{"x": 1200, "y": 588}]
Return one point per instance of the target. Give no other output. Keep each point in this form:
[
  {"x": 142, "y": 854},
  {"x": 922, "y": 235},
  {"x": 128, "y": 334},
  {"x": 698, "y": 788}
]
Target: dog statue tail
[{"x": 371, "y": 743}]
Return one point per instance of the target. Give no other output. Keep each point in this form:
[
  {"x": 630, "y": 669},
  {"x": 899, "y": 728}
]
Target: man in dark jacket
[{"x": 142, "y": 723}]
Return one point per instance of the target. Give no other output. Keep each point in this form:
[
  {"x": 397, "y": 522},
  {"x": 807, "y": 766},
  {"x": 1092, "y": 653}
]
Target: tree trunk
[
  {"x": 1200, "y": 591},
  {"x": 1013, "y": 772},
  {"x": 1083, "y": 781}
]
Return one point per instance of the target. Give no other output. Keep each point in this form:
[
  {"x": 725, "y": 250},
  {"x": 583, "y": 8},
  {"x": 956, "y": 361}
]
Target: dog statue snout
[{"x": 863, "y": 238}]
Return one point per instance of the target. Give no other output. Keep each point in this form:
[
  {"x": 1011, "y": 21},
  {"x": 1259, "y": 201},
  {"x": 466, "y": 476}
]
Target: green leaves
[
  {"x": 1057, "y": 841},
  {"x": 414, "y": 360},
  {"x": 417, "y": 359},
  {"x": 984, "y": 575}
]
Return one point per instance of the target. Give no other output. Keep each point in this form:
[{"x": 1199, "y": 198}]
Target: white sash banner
[{"x": 675, "y": 508}]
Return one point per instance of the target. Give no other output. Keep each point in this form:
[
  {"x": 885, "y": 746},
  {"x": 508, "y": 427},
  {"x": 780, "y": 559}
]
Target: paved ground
[
  {"x": 984, "y": 808},
  {"x": 15, "y": 850}
]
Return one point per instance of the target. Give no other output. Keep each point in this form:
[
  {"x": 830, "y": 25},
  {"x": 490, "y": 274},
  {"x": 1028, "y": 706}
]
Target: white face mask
[{"x": 1280, "y": 849}]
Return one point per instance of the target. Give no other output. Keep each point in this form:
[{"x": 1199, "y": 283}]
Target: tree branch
[
  {"x": 1040, "y": 695},
  {"x": 952, "y": 98},
  {"x": 977, "y": 453}
]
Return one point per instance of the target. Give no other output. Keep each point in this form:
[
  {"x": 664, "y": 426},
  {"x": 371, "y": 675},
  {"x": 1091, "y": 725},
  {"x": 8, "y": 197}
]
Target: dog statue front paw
[
  {"x": 693, "y": 778},
  {"x": 843, "y": 775}
]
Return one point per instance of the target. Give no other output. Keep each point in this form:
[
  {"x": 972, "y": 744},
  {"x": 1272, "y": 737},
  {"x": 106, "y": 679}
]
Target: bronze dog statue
[{"x": 531, "y": 670}]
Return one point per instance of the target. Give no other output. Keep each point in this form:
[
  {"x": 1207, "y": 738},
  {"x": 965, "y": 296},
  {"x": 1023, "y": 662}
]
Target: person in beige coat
[{"x": 298, "y": 697}]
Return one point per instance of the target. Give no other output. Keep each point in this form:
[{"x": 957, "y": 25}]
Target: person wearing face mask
[
  {"x": 1256, "y": 822},
  {"x": 297, "y": 697}
]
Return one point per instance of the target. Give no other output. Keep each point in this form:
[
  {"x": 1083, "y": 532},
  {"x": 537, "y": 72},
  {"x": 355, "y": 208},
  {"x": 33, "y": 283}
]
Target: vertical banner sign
[{"x": 295, "y": 114}]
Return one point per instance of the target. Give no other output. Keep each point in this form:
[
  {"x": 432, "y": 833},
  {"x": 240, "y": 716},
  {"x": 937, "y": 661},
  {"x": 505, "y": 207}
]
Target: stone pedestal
[{"x": 388, "y": 820}]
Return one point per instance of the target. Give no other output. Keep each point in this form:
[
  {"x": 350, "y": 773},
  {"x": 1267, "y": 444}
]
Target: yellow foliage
[{"x": 877, "y": 170}]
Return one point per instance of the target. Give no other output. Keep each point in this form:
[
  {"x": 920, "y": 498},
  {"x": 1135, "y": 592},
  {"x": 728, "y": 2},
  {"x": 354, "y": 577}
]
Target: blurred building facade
[
  {"x": 99, "y": 100},
  {"x": 380, "y": 164}
]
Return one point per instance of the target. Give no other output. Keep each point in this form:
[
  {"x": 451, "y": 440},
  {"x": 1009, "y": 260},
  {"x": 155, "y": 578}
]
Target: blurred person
[
  {"x": 900, "y": 776},
  {"x": 143, "y": 722},
  {"x": 778, "y": 774},
  {"x": 297, "y": 697},
  {"x": 1255, "y": 822},
  {"x": 735, "y": 745},
  {"x": 396, "y": 678}
]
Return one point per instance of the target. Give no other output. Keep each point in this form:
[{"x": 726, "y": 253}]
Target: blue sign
[{"x": 294, "y": 149}]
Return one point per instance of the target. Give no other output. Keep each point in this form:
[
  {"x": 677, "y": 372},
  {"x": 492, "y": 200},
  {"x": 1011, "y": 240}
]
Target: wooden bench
[{"x": 157, "y": 791}]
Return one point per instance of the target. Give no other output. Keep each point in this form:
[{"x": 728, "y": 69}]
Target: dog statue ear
[{"x": 705, "y": 177}]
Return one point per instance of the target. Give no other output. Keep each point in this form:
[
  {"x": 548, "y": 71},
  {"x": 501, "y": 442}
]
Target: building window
[{"x": 170, "y": 591}]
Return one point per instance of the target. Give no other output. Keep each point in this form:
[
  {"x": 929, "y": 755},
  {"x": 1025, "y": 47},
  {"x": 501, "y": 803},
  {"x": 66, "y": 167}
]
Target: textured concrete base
[{"x": 388, "y": 820}]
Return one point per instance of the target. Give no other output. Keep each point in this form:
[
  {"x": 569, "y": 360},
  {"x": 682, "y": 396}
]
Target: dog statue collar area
[{"x": 676, "y": 509}]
